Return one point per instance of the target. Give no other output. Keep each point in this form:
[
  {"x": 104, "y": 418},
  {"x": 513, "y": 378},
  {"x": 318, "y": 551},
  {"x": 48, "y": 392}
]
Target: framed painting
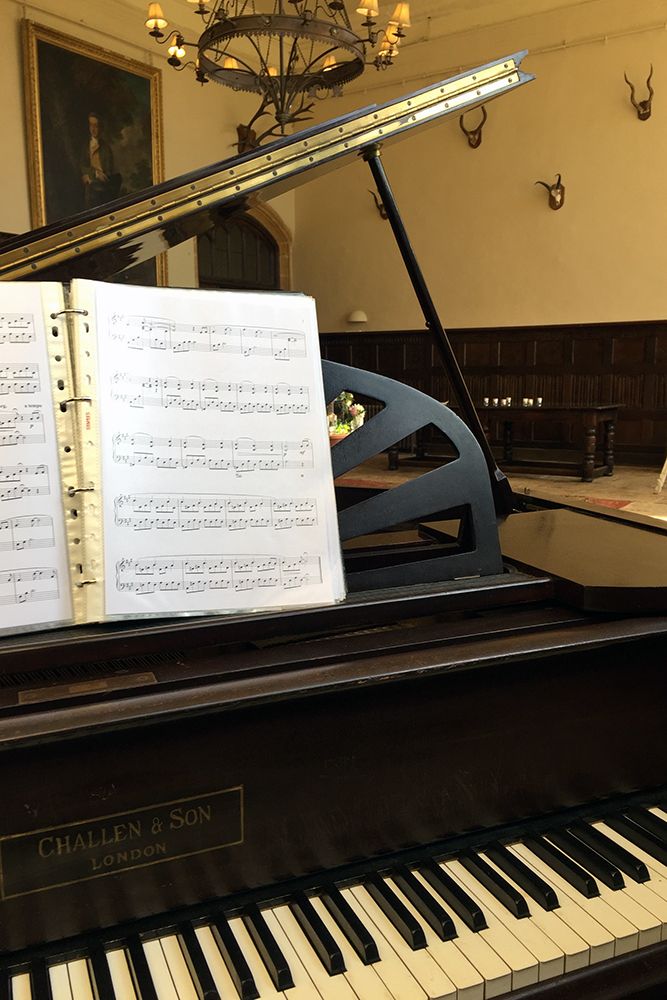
[{"x": 94, "y": 130}]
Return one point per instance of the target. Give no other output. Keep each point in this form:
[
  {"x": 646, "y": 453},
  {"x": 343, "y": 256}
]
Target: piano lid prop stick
[{"x": 502, "y": 491}]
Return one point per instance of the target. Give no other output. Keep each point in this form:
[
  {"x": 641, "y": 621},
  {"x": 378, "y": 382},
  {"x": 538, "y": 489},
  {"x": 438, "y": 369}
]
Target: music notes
[
  {"x": 18, "y": 482},
  {"x": 170, "y": 393},
  {"x": 27, "y": 586},
  {"x": 236, "y": 573},
  {"x": 32, "y": 518},
  {"x": 16, "y": 328},
  {"x": 19, "y": 380},
  {"x": 242, "y": 455},
  {"x": 153, "y": 333},
  {"x": 19, "y": 533},
  {"x": 193, "y": 512},
  {"x": 213, "y": 438}
]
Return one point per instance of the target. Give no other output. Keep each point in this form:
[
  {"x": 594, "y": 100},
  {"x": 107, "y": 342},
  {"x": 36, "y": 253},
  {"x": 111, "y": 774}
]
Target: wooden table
[{"x": 596, "y": 423}]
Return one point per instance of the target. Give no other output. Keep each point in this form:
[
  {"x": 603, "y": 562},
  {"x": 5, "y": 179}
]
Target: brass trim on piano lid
[{"x": 377, "y": 125}]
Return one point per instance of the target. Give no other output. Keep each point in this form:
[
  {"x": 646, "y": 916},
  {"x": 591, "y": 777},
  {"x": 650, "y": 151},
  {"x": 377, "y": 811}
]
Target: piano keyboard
[{"x": 480, "y": 924}]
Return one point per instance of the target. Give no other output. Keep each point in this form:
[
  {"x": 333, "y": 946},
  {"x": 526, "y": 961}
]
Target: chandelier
[{"x": 290, "y": 55}]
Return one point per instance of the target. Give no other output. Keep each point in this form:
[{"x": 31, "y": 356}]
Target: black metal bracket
[
  {"x": 502, "y": 491},
  {"x": 461, "y": 487}
]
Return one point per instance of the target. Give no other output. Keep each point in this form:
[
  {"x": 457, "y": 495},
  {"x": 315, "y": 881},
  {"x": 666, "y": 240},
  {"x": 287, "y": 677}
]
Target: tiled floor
[{"x": 631, "y": 488}]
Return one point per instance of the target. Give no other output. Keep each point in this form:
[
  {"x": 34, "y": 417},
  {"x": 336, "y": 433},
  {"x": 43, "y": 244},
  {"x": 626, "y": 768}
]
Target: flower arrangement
[{"x": 345, "y": 415}]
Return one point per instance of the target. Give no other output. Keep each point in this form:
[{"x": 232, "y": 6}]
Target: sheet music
[
  {"x": 34, "y": 573},
  {"x": 216, "y": 469}
]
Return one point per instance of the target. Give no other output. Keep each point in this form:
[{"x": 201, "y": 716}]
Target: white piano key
[
  {"x": 304, "y": 988},
  {"x": 223, "y": 981},
  {"x": 364, "y": 979},
  {"x": 605, "y": 941},
  {"x": 21, "y": 989},
  {"x": 60, "y": 984},
  {"x": 260, "y": 974},
  {"x": 550, "y": 958},
  {"x": 496, "y": 974},
  {"x": 160, "y": 974},
  {"x": 425, "y": 970},
  {"x": 465, "y": 977},
  {"x": 524, "y": 965},
  {"x": 178, "y": 968},
  {"x": 660, "y": 813},
  {"x": 120, "y": 975},
  {"x": 329, "y": 987},
  {"x": 574, "y": 948},
  {"x": 79, "y": 977},
  {"x": 396, "y": 976}
]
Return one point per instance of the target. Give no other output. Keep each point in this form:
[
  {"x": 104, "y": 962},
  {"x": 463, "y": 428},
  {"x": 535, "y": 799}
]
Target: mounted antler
[
  {"x": 474, "y": 135},
  {"x": 556, "y": 192},
  {"x": 378, "y": 204},
  {"x": 643, "y": 108}
]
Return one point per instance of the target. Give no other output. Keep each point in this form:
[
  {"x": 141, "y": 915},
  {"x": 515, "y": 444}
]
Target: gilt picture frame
[{"x": 86, "y": 151}]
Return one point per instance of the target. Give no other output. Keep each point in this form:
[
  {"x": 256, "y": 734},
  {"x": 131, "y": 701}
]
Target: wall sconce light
[{"x": 357, "y": 316}]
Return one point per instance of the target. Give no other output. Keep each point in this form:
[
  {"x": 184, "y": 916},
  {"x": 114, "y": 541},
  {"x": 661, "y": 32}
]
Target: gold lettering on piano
[{"x": 104, "y": 845}]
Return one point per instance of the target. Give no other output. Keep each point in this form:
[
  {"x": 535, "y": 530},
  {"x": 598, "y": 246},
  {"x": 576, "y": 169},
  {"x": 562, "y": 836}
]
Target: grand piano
[{"x": 450, "y": 785}]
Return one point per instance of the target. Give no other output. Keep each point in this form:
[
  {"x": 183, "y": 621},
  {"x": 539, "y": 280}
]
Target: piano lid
[{"x": 98, "y": 244}]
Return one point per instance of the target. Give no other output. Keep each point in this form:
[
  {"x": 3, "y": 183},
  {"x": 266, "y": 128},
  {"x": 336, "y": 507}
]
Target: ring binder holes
[
  {"x": 34, "y": 267},
  {"x": 61, "y": 384},
  {"x": 74, "y": 512},
  {"x": 25, "y": 250},
  {"x": 58, "y": 357},
  {"x": 160, "y": 218},
  {"x": 119, "y": 232},
  {"x": 54, "y": 331},
  {"x": 86, "y": 327},
  {"x": 63, "y": 407},
  {"x": 67, "y": 449},
  {"x": 77, "y": 249},
  {"x": 76, "y": 541},
  {"x": 153, "y": 201},
  {"x": 199, "y": 201}
]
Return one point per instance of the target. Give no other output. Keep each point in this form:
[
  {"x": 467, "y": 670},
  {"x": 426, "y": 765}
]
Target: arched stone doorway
[{"x": 251, "y": 251}]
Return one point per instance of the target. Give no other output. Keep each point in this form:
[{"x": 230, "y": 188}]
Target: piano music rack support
[{"x": 502, "y": 491}]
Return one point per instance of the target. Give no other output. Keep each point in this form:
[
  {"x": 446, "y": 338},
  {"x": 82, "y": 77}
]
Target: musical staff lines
[
  {"x": 197, "y": 574},
  {"x": 17, "y": 482},
  {"x": 20, "y": 533},
  {"x": 23, "y": 586},
  {"x": 169, "y": 393},
  {"x": 19, "y": 379},
  {"x": 17, "y": 328},
  {"x": 242, "y": 455},
  {"x": 154, "y": 333},
  {"x": 19, "y": 427},
  {"x": 194, "y": 512}
]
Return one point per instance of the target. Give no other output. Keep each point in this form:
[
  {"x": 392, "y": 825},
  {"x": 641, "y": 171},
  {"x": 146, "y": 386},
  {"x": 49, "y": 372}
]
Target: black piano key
[
  {"x": 395, "y": 911},
  {"x": 590, "y": 860},
  {"x": 195, "y": 960},
  {"x": 5, "y": 984},
  {"x": 352, "y": 927},
  {"x": 267, "y": 946},
  {"x": 139, "y": 969},
  {"x": 40, "y": 981},
  {"x": 609, "y": 849},
  {"x": 425, "y": 903},
  {"x": 451, "y": 892},
  {"x": 100, "y": 974},
  {"x": 650, "y": 822},
  {"x": 234, "y": 959},
  {"x": 568, "y": 869},
  {"x": 318, "y": 934},
  {"x": 518, "y": 870},
  {"x": 638, "y": 835},
  {"x": 495, "y": 884}
]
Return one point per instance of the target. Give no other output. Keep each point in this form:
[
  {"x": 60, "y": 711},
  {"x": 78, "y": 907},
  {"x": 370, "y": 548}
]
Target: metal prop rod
[{"x": 502, "y": 491}]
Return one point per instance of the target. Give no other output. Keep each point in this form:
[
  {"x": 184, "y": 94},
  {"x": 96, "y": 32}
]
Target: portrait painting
[{"x": 94, "y": 130}]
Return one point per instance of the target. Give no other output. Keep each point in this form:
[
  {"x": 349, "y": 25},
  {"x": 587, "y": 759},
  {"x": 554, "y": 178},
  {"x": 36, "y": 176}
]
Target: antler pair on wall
[{"x": 643, "y": 108}]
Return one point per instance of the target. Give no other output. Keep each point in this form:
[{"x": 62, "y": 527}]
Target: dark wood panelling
[{"x": 576, "y": 365}]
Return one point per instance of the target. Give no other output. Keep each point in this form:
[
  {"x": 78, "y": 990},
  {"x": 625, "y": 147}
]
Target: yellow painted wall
[
  {"x": 492, "y": 251},
  {"x": 199, "y": 123}
]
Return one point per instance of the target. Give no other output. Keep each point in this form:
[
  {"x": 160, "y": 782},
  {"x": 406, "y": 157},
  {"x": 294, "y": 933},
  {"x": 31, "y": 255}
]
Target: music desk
[{"x": 594, "y": 428}]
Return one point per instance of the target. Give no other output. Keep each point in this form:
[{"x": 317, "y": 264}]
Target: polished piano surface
[{"x": 451, "y": 785}]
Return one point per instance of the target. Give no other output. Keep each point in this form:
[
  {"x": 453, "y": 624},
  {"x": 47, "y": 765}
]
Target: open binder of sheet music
[{"x": 162, "y": 452}]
